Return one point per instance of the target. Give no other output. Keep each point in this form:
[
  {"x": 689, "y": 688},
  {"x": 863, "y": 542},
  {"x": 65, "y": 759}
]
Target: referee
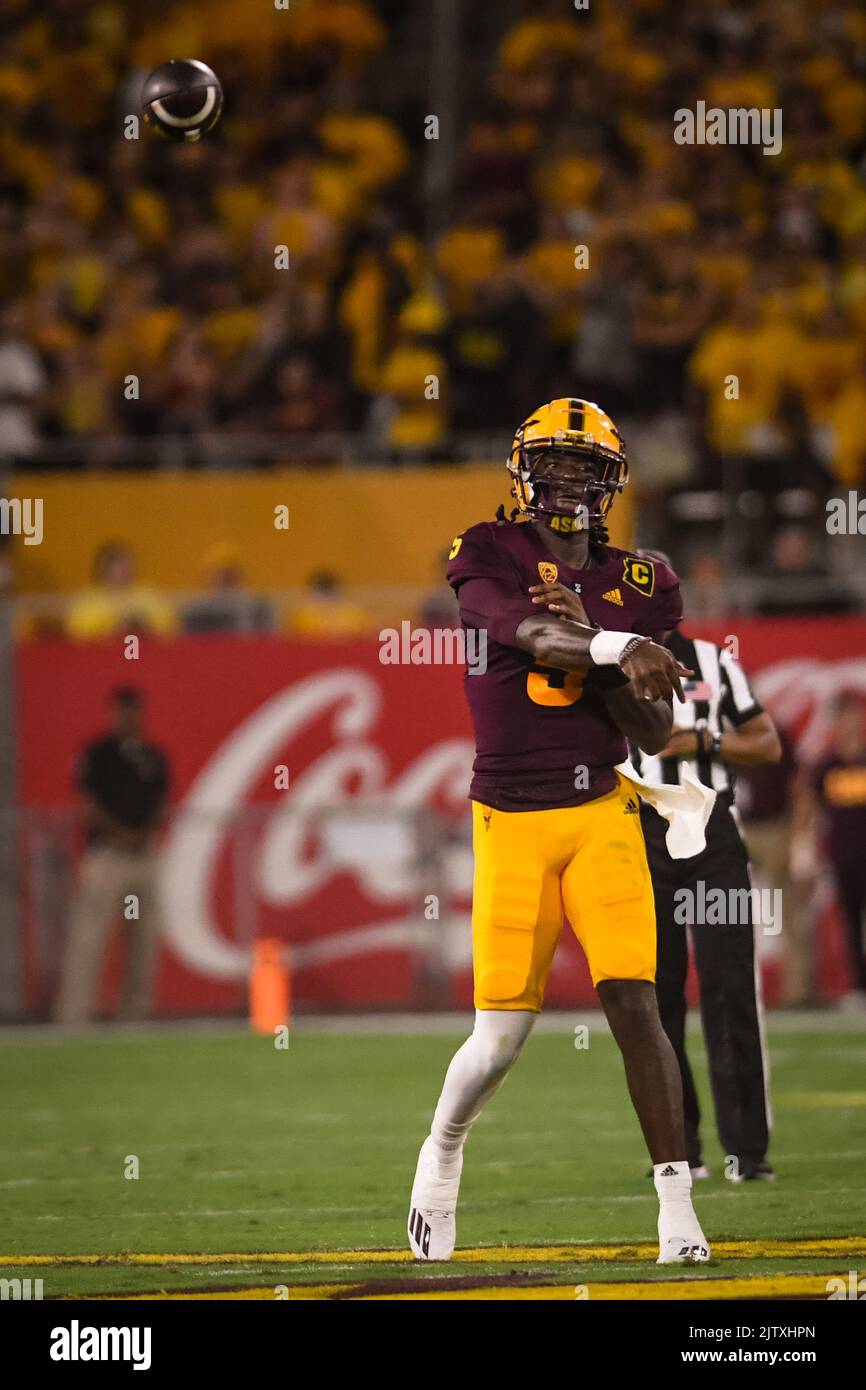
[{"x": 720, "y": 727}]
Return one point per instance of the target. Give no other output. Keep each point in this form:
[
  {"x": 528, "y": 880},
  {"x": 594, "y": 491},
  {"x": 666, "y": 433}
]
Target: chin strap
[
  {"x": 598, "y": 532},
  {"x": 598, "y": 537}
]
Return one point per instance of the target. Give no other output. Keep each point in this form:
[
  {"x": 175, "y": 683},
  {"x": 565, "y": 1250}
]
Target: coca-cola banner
[{"x": 319, "y": 796}]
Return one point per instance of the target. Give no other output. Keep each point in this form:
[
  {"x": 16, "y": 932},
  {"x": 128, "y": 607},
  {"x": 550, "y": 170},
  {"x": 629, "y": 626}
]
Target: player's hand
[
  {"x": 565, "y": 603},
  {"x": 655, "y": 673}
]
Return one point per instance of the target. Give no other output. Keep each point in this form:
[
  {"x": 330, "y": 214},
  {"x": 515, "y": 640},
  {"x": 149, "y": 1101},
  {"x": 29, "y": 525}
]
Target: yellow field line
[
  {"x": 825, "y": 1247},
  {"x": 760, "y": 1286},
  {"x": 308, "y": 1292},
  {"x": 819, "y": 1098},
  {"x": 783, "y": 1286}
]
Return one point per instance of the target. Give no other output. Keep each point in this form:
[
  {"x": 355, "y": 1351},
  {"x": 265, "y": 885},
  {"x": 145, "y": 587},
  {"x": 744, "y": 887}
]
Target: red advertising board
[{"x": 361, "y": 862}]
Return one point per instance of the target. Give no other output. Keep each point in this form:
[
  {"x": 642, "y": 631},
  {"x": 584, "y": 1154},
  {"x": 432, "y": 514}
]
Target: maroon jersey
[
  {"x": 536, "y": 726},
  {"x": 841, "y": 789}
]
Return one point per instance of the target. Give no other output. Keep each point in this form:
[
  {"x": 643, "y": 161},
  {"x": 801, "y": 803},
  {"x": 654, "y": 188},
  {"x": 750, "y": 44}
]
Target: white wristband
[{"x": 606, "y": 648}]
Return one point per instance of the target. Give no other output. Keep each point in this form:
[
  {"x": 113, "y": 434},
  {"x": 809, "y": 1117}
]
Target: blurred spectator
[
  {"x": 673, "y": 309},
  {"x": 372, "y": 291},
  {"x": 541, "y": 38},
  {"x": 834, "y": 359},
  {"x": 325, "y": 611},
  {"x": 22, "y": 383},
  {"x": 409, "y": 412},
  {"x": 764, "y": 798},
  {"x": 304, "y": 404},
  {"x": 799, "y": 584},
  {"x": 494, "y": 335},
  {"x": 226, "y": 606},
  {"x": 494, "y": 171},
  {"x": 123, "y": 781},
  {"x": 739, "y": 382},
  {"x": 834, "y": 803},
  {"x": 117, "y": 604},
  {"x": 605, "y": 357},
  {"x": 703, "y": 594}
]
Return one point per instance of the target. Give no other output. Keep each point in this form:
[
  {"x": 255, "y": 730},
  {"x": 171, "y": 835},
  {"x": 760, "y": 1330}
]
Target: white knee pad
[
  {"x": 477, "y": 1070},
  {"x": 498, "y": 1036}
]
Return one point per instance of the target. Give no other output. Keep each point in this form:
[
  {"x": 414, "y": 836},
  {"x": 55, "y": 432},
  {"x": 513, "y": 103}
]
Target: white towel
[{"x": 685, "y": 807}]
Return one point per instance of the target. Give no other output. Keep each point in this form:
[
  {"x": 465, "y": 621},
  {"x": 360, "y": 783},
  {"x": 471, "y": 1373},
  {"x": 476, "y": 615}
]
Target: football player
[{"x": 571, "y": 671}]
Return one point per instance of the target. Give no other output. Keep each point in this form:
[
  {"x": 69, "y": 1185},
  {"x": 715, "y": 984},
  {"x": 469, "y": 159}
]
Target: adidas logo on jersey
[
  {"x": 631, "y": 808},
  {"x": 613, "y": 596}
]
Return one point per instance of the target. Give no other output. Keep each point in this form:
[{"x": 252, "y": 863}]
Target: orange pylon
[{"x": 270, "y": 986}]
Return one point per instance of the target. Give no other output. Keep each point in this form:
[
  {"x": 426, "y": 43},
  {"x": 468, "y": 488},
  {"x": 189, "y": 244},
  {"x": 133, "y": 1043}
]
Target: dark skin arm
[
  {"x": 754, "y": 744},
  {"x": 642, "y": 709},
  {"x": 647, "y": 723}
]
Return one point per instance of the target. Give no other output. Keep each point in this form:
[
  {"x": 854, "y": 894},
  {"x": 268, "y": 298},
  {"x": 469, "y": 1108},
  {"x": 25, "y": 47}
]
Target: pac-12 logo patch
[
  {"x": 549, "y": 572},
  {"x": 640, "y": 574}
]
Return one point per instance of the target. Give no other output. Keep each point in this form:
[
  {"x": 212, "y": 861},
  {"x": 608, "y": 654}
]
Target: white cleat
[
  {"x": 433, "y": 1205},
  {"x": 684, "y": 1250}
]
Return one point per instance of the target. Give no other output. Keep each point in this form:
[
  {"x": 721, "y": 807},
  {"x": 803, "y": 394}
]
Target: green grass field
[{"x": 293, "y": 1167}]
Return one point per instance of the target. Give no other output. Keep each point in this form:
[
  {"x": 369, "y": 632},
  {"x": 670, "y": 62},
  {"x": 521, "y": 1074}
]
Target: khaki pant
[
  {"x": 108, "y": 877},
  {"x": 769, "y": 845}
]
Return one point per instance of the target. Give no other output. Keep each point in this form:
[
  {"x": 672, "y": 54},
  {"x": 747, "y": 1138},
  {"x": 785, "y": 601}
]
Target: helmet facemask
[{"x": 568, "y": 482}]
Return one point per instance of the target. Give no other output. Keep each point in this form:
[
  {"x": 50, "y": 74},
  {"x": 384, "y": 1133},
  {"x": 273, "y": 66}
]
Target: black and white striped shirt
[{"x": 718, "y": 692}]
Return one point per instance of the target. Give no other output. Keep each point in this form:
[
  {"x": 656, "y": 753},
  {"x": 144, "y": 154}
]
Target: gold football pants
[{"x": 533, "y": 869}]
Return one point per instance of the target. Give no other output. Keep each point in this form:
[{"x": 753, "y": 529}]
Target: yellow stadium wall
[{"x": 370, "y": 526}]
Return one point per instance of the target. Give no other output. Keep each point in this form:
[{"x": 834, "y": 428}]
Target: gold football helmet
[{"x": 567, "y": 464}]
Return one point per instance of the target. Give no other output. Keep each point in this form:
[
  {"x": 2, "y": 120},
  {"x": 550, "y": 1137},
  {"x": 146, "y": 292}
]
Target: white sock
[
  {"x": 673, "y": 1183},
  {"x": 476, "y": 1072}
]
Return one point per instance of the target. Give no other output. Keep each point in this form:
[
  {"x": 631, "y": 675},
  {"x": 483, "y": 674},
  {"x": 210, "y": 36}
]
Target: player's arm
[
  {"x": 752, "y": 740},
  {"x": 647, "y": 723},
  {"x": 754, "y": 744},
  {"x": 652, "y": 670},
  {"x": 643, "y": 720}
]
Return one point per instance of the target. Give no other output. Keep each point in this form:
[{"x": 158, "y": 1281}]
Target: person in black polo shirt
[
  {"x": 838, "y": 798},
  {"x": 123, "y": 780},
  {"x": 720, "y": 726}
]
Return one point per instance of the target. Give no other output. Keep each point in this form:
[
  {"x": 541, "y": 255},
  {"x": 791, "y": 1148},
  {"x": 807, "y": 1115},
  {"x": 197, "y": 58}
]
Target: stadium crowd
[{"x": 132, "y": 258}]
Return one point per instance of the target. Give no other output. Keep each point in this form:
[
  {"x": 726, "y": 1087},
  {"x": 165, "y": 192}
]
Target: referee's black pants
[{"x": 725, "y": 960}]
